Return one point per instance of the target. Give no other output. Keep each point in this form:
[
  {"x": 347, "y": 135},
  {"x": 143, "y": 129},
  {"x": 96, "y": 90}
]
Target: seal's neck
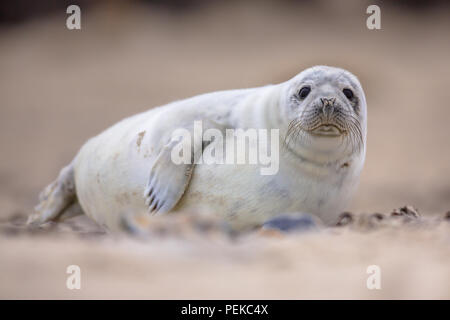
[{"x": 313, "y": 156}]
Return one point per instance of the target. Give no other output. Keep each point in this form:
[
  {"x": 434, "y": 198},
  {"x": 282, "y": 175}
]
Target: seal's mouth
[
  {"x": 342, "y": 129},
  {"x": 328, "y": 130}
]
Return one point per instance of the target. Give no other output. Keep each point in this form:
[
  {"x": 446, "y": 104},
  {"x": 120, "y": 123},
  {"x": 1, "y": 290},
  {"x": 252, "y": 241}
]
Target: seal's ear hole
[
  {"x": 348, "y": 93},
  {"x": 303, "y": 93}
]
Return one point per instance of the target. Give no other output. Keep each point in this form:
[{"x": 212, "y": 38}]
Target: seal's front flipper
[
  {"x": 168, "y": 179},
  {"x": 56, "y": 198},
  {"x": 172, "y": 169}
]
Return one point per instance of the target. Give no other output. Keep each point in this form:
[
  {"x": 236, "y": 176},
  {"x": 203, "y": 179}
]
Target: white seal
[{"x": 321, "y": 118}]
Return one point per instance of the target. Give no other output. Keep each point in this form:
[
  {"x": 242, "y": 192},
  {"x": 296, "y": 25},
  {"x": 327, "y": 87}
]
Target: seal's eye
[
  {"x": 303, "y": 93},
  {"x": 348, "y": 93}
]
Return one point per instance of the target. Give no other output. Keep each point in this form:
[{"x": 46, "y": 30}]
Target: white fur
[{"x": 112, "y": 169}]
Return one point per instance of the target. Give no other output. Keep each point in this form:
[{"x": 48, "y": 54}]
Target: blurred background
[{"x": 59, "y": 87}]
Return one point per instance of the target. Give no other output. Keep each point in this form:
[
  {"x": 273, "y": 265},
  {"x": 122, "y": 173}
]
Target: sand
[{"x": 60, "y": 87}]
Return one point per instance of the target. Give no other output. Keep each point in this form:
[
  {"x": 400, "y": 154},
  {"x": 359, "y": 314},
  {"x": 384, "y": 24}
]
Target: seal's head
[{"x": 325, "y": 109}]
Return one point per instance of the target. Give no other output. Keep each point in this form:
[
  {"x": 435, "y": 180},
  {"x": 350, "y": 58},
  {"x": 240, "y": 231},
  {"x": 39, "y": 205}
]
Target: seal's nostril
[
  {"x": 327, "y": 104},
  {"x": 328, "y": 101}
]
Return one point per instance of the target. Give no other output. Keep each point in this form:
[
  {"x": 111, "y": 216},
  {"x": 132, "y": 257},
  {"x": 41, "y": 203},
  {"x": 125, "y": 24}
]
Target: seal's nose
[{"x": 328, "y": 105}]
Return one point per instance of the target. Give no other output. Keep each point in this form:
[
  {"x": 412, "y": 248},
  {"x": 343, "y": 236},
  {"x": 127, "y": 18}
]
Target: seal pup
[{"x": 128, "y": 169}]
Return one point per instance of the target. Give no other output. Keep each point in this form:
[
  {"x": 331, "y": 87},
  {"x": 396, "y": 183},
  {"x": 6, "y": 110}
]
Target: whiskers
[
  {"x": 299, "y": 130},
  {"x": 296, "y": 133}
]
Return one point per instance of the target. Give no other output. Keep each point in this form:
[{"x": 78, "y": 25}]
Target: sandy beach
[{"x": 60, "y": 87}]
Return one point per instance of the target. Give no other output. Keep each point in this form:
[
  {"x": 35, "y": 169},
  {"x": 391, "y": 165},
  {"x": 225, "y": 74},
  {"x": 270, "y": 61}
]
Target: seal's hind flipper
[
  {"x": 73, "y": 210},
  {"x": 56, "y": 198}
]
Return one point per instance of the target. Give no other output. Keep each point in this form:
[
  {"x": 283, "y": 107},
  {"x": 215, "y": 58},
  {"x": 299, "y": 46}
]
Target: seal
[{"x": 320, "y": 116}]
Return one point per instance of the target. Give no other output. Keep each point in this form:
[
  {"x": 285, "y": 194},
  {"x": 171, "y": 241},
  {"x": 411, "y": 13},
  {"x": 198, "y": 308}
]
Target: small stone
[
  {"x": 406, "y": 211},
  {"x": 376, "y": 217},
  {"x": 345, "y": 218},
  {"x": 291, "y": 223},
  {"x": 447, "y": 215}
]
